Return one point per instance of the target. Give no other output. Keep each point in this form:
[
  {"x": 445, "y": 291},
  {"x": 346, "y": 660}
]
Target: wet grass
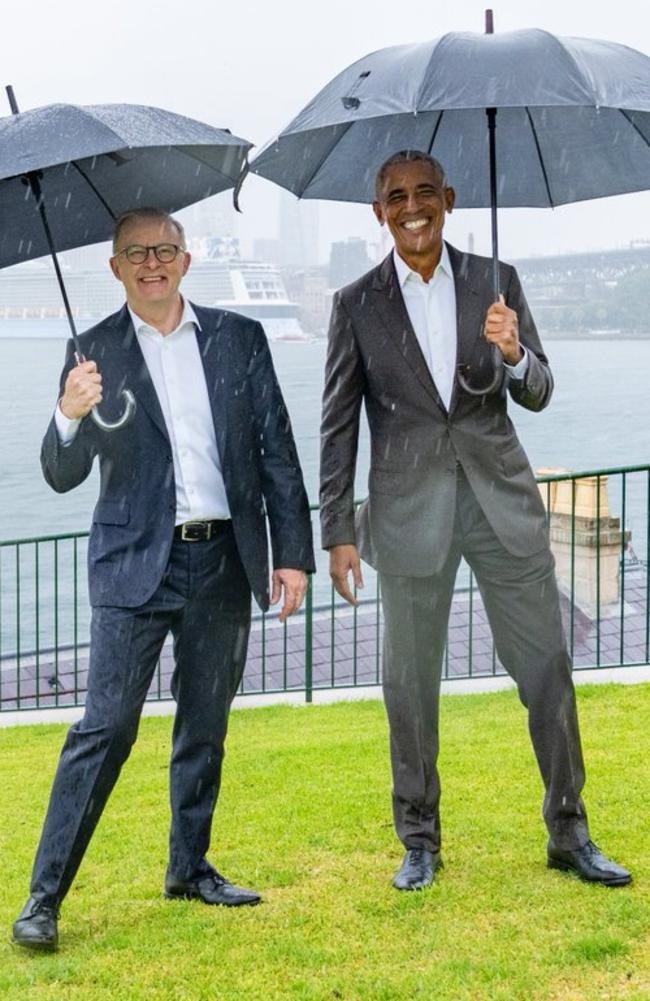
[{"x": 304, "y": 816}]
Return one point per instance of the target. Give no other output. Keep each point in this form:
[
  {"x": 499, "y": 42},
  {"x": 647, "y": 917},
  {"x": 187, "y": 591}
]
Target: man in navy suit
[{"x": 178, "y": 543}]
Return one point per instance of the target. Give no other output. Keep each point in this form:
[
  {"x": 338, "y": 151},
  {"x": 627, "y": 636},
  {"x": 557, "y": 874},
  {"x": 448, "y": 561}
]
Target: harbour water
[{"x": 599, "y": 417}]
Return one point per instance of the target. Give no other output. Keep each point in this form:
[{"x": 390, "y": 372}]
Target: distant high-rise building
[
  {"x": 267, "y": 249},
  {"x": 348, "y": 260},
  {"x": 309, "y": 288},
  {"x": 297, "y": 231},
  {"x": 214, "y": 216},
  {"x": 309, "y": 223}
]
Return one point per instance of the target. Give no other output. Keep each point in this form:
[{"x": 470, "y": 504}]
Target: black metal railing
[{"x": 599, "y": 522}]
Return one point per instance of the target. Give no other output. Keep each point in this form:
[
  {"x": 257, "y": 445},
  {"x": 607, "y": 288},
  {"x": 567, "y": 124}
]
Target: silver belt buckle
[{"x": 196, "y": 531}]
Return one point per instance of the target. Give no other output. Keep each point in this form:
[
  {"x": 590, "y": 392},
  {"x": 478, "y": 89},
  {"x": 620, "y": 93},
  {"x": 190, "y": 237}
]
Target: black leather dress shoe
[
  {"x": 35, "y": 927},
  {"x": 417, "y": 869},
  {"x": 211, "y": 889},
  {"x": 589, "y": 864}
]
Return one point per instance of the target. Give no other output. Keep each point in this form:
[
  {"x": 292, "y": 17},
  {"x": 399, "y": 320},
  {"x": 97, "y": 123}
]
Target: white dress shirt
[
  {"x": 431, "y": 307},
  {"x": 176, "y": 370}
]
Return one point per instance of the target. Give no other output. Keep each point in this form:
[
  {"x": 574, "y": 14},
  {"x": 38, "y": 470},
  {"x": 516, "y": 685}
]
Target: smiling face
[
  {"x": 413, "y": 200},
  {"x": 151, "y": 288}
]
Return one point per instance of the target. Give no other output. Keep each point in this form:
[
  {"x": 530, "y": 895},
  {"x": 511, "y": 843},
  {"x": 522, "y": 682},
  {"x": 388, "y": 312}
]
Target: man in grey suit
[
  {"x": 178, "y": 543},
  {"x": 448, "y": 479}
]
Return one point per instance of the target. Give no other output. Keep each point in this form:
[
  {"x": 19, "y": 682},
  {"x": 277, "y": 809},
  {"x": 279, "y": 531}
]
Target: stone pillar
[{"x": 595, "y": 540}]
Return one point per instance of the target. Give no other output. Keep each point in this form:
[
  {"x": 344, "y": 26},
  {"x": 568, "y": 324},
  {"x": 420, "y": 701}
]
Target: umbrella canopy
[
  {"x": 94, "y": 162},
  {"x": 522, "y": 118},
  {"x": 68, "y": 172},
  {"x": 573, "y": 120}
]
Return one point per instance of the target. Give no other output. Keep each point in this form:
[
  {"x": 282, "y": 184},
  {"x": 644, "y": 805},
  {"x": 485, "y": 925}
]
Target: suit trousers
[
  {"x": 521, "y": 600},
  {"x": 205, "y": 601}
]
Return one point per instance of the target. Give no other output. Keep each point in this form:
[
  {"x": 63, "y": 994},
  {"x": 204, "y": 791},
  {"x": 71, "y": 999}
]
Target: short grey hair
[
  {"x": 145, "y": 213},
  {"x": 407, "y": 156}
]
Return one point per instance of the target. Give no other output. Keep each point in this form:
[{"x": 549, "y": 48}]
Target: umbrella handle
[
  {"x": 130, "y": 407},
  {"x": 127, "y": 414},
  {"x": 493, "y": 386}
]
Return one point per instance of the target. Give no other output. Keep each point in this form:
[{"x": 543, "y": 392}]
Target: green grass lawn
[{"x": 304, "y": 817}]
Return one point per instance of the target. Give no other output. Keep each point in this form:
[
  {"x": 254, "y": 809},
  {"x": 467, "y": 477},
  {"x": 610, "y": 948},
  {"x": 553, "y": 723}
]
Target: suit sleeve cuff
[
  {"x": 519, "y": 370},
  {"x": 66, "y": 427}
]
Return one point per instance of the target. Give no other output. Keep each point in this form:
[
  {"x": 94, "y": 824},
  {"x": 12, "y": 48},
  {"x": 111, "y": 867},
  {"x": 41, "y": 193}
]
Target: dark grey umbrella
[
  {"x": 67, "y": 172},
  {"x": 572, "y": 121}
]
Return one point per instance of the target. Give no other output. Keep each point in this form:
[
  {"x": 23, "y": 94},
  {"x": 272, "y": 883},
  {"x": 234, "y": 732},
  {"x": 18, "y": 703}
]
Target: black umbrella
[
  {"x": 573, "y": 118},
  {"x": 67, "y": 172}
]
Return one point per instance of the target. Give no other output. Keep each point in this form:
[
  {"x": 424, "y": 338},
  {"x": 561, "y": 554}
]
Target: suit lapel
[
  {"x": 215, "y": 359},
  {"x": 138, "y": 378},
  {"x": 469, "y": 318},
  {"x": 388, "y": 302}
]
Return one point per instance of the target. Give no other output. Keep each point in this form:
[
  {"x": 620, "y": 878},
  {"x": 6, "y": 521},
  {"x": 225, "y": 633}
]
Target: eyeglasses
[{"x": 163, "y": 252}]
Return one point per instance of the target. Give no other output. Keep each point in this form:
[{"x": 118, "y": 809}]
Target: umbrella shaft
[
  {"x": 36, "y": 191},
  {"x": 491, "y": 117}
]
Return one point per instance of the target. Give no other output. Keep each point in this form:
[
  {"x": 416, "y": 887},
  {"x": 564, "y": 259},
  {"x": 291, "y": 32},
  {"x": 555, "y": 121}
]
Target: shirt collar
[
  {"x": 404, "y": 272},
  {"x": 187, "y": 316}
]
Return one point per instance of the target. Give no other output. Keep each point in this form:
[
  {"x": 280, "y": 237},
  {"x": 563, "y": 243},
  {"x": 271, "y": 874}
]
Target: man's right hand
[
  {"x": 82, "y": 391},
  {"x": 342, "y": 560}
]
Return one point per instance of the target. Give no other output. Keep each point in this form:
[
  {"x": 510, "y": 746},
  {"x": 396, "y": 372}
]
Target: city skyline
[{"x": 254, "y": 81}]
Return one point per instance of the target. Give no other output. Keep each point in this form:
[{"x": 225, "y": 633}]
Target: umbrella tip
[
  {"x": 489, "y": 21},
  {"x": 12, "y": 99}
]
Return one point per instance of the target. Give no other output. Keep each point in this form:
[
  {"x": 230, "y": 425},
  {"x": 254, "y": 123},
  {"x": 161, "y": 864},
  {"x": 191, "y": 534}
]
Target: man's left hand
[
  {"x": 502, "y": 329},
  {"x": 294, "y": 584}
]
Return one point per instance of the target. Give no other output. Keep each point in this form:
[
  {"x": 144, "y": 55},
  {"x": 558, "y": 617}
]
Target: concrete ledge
[{"x": 322, "y": 696}]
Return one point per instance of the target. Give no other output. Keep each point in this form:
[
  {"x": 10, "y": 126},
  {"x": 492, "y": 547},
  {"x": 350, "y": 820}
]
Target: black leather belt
[{"x": 199, "y": 531}]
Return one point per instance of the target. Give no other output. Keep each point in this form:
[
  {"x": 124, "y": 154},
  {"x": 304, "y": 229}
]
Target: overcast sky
[{"x": 250, "y": 66}]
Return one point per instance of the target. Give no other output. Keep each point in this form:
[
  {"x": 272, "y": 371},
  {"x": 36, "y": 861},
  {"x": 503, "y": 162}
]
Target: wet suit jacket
[
  {"x": 405, "y": 526},
  {"x": 134, "y": 518}
]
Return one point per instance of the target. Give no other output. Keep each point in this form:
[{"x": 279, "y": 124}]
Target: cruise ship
[{"x": 218, "y": 277}]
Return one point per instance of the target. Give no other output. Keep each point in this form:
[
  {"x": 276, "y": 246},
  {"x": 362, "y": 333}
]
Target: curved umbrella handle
[
  {"x": 127, "y": 414},
  {"x": 494, "y": 385}
]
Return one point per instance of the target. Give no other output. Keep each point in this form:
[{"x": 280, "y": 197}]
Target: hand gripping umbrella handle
[{"x": 127, "y": 414}]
